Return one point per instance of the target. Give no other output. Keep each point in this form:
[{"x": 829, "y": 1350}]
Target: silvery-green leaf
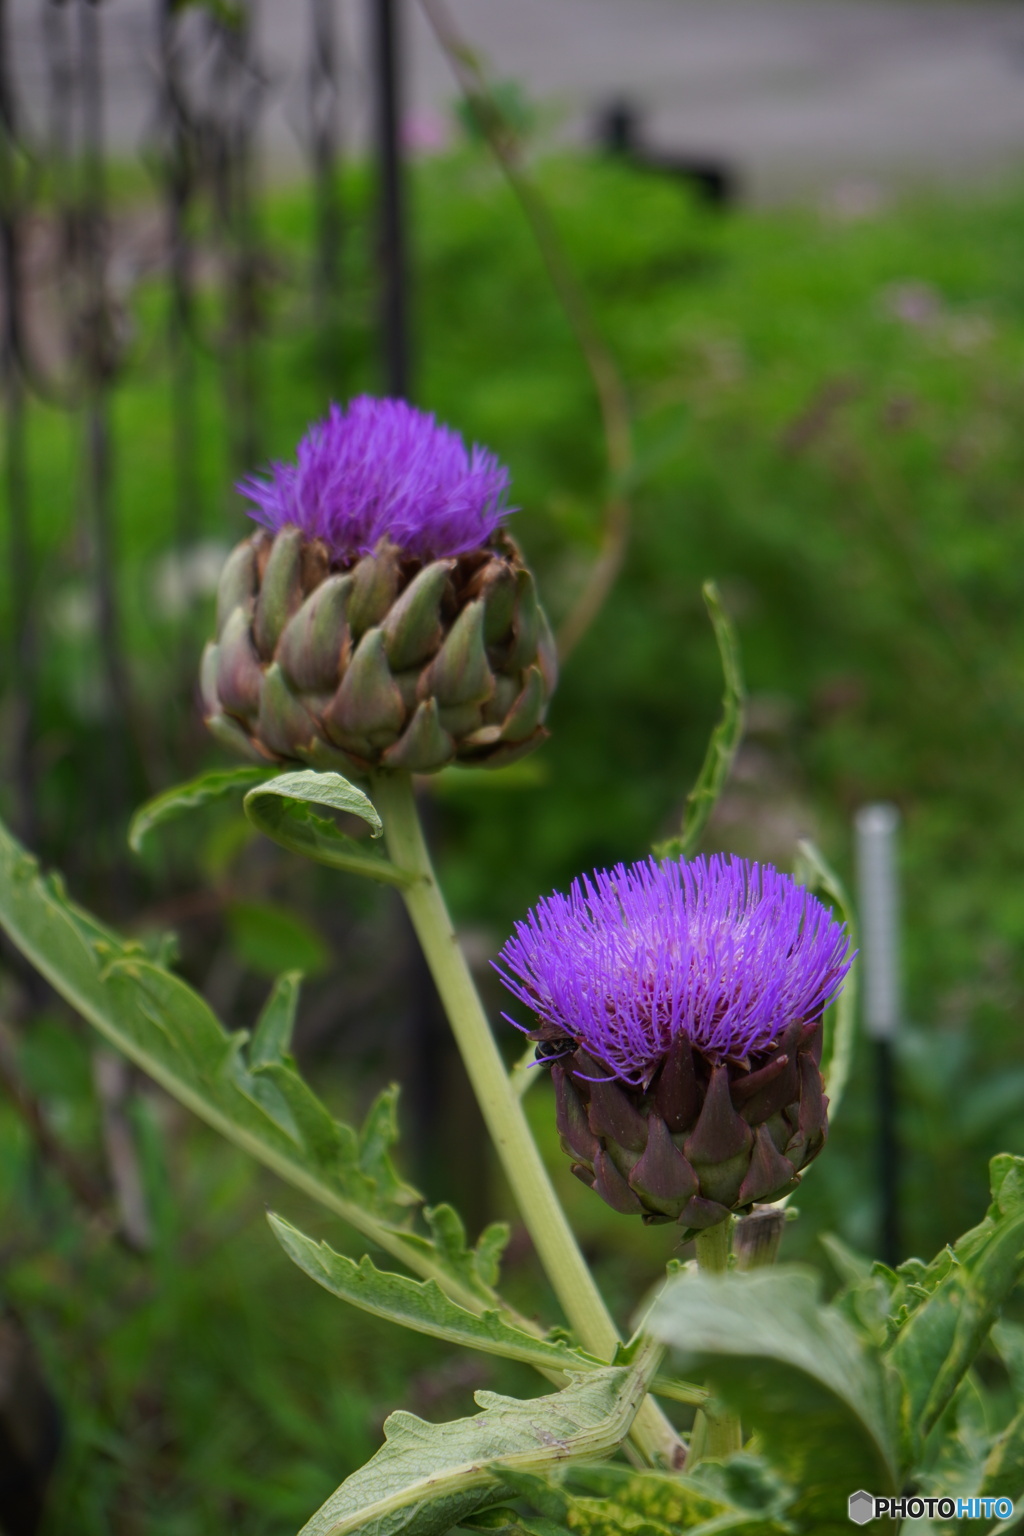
[
  {"x": 429, "y": 1477},
  {"x": 741, "y": 1497},
  {"x": 954, "y": 1302},
  {"x": 795, "y": 1372},
  {"x": 1003, "y": 1473},
  {"x": 253, "y": 1095},
  {"x": 183, "y": 798},
  {"x": 421, "y": 1305},
  {"x": 282, "y": 809}
]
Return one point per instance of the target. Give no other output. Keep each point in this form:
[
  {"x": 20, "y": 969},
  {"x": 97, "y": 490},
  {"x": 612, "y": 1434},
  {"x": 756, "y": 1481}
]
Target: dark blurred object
[
  {"x": 394, "y": 297},
  {"x": 756, "y": 1237},
  {"x": 620, "y": 132},
  {"x": 29, "y": 1432},
  {"x": 876, "y": 827}
]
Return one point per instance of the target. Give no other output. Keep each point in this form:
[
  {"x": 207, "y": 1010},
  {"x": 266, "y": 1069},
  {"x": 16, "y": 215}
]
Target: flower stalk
[
  {"x": 715, "y": 1434},
  {"x": 545, "y": 1220}
]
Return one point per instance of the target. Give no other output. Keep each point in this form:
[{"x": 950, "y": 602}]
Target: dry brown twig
[{"x": 608, "y": 384}]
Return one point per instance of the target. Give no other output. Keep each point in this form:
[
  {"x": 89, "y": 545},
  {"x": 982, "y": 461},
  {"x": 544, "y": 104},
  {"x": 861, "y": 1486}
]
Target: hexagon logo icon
[{"x": 862, "y": 1507}]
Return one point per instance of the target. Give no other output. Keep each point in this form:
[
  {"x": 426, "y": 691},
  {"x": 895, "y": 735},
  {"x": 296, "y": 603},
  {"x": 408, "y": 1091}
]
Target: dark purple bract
[
  {"x": 722, "y": 950},
  {"x": 383, "y": 469}
]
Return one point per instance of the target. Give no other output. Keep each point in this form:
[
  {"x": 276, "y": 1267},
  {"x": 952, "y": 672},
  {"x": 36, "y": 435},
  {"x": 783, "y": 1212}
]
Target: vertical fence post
[
  {"x": 323, "y": 149},
  {"x": 238, "y": 91},
  {"x": 177, "y": 157},
  {"x": 390, "y": 196},
  {"x": 98, "y": 352},
  {"x": 876, "y": 828},
  {"x": 22, "y": 649}
]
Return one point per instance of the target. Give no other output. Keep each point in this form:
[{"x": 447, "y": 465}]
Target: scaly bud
[
  {"x": 314, "y": 640},
  {"x": 386, "y": 620},
  {"x": 280, "y": 591},
  {"x": 237, "y": 585},
  {"x": 412, "y": 627}
]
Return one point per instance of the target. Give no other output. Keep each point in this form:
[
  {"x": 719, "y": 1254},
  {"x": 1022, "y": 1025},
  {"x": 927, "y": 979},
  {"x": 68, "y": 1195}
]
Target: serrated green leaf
[
  {"x": 281, "y": 810},
  {"x": 260, "y": 1102},
  {"x": 272, "y": 1037},
  {"x": 429, "y": 1477},
  {"x": 852, "y": 1267},
  {"x": 746, "y": 1482},
  {"x": 1003, "y": 1472},
  {"x": 448, "y": 1241},
  {"x": 509, "y": 1522},
  {"x": 1008, "y": 1339},
  {"x": 725, "y": 738},
  {"x": 327, "y": 789},
  {"x": 422, "y": 1305},
  {"x": 742, "y": 1497},
  {"x": 793, "y": 1370},
  {"x": 487, "y": 1254},
  {"x": 865, "y": 1298},
  {"x": 183, "y": 798},
  {"x": 954, "y": 1455},
  {"x": 958, "y": 1298}
]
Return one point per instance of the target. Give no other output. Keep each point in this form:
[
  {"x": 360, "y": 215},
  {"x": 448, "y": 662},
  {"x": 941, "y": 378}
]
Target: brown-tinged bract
[
  {"x": 383, "y": 661},
  {"x": 705, "y": 1139}
]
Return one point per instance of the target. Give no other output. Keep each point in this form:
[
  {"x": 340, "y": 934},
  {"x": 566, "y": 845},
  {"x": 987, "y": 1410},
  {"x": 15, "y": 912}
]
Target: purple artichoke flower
[
  {"x": 382, "y": 617},
  {"x": 680, "y": 1005},
  {"x": 382, "y": 469}
]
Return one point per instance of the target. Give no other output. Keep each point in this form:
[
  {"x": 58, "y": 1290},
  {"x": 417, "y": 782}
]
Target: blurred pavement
[{"x": 801, "y": 96}]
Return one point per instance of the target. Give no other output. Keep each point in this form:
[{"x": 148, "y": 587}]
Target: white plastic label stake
[{"x": 878, "y": 893}]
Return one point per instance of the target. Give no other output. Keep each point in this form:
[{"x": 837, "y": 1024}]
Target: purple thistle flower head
[
  {"x": 721, "y": 950},
  {"x": 383, "y": 469}
]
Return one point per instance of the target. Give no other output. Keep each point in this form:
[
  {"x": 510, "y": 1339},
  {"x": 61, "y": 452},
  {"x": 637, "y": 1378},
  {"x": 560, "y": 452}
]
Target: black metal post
[
  {"x": 877, "y": 880},
  {"x": 888, "y": 1153},
  {"x": 178, "y": 154},
  {"x": 394, "y": 307},
  {"x": 324, "y": 136},
  {"x": 238, "y": 91}
]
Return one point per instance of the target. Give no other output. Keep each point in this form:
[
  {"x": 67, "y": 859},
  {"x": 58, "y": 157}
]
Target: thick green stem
[
  {"x": 721, "y": 1433},
  {"x": 545, "y": 1220},
  {"x": 713, "y": 1248}
]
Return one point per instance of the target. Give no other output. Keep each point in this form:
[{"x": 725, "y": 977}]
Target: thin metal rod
[
  {"x": 887, "y": 1101},
  {"x": 394, "y": 305}
]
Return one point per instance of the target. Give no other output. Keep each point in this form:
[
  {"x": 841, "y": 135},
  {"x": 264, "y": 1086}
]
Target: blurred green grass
[{"x": 828, "y": 420}]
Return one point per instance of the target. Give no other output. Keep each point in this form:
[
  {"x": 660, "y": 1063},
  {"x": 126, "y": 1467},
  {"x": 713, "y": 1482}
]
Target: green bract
[{"x": 380, "y": 662}]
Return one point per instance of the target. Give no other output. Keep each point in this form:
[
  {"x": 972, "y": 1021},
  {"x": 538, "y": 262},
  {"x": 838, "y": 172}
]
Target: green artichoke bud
[
  {"x": 385, "y": 661},
  {"x": 383, "y": 617}
]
